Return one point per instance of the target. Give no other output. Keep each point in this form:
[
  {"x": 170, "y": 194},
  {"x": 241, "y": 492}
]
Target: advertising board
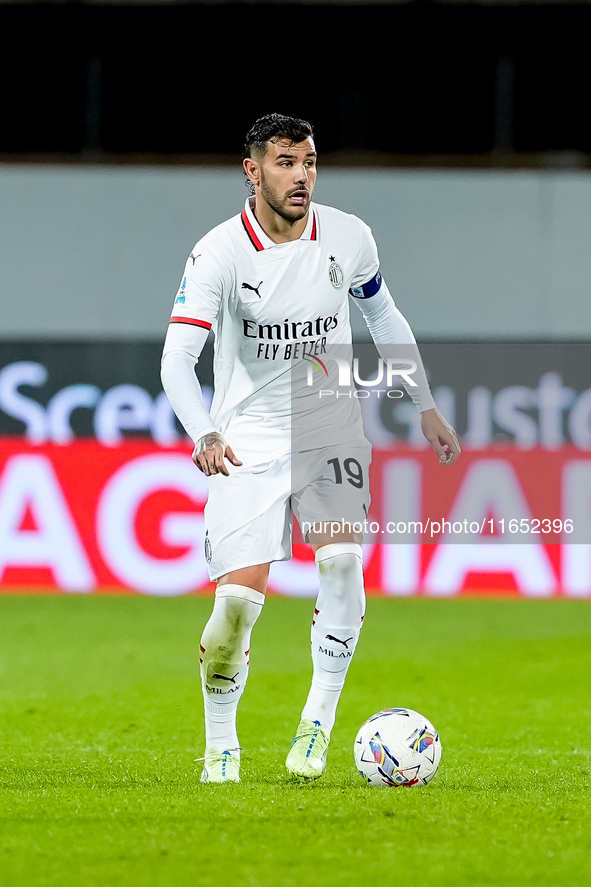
[{"x": 98, "y": 491}]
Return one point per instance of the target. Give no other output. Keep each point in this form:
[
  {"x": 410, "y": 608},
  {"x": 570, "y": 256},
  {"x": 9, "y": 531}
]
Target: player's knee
[
  {"x": 340, "y": 560},
  {"x": 235, "y": 611},
  {"x": 254, "y": 577},
  {"x": 341, "y": 577}
]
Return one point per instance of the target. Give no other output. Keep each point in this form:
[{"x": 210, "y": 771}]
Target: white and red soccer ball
[{"x": 397, "y": 746}]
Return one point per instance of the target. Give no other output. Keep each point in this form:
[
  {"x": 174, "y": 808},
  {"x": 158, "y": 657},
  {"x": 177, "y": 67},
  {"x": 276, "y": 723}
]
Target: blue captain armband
[{"x": 368, "y": 289}]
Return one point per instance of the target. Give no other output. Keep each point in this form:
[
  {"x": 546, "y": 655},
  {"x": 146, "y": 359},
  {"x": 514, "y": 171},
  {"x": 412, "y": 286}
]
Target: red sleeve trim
[{"x": 202, "y": 323}]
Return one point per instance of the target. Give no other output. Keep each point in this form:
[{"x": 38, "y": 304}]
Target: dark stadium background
[{"x": 397, "y": 83}]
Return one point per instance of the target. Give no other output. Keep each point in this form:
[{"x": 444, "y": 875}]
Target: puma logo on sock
[
  {"x": 331, "y": 637},
  {"x": 222, "y": 677}
]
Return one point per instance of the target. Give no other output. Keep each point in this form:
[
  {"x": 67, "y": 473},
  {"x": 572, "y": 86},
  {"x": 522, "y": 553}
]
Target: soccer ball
[{"x": 397, "y": 746}]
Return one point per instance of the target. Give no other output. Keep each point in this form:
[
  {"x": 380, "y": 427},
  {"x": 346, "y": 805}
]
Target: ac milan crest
[{"x": 335, "y": 272}]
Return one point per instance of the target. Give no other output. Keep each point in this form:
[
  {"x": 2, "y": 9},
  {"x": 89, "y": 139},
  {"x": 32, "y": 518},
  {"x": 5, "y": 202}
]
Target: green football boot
[
  {"x": 307, "y": 755},
  {"x": 221, "y": 766}
]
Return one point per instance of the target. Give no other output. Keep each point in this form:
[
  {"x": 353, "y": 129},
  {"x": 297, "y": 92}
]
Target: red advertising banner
[{"x": 87, "y": 517}]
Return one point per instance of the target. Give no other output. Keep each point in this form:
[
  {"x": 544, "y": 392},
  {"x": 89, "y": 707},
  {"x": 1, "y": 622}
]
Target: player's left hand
[{"x": 441, "y": 436}]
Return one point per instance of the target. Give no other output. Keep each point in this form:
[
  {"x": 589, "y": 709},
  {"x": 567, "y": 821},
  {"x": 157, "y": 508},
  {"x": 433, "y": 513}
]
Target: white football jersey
[{"x": 270, "y": 304}]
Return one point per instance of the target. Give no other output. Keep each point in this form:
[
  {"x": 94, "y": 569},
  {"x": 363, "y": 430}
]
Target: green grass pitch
[{"x": 101, "y": 722}]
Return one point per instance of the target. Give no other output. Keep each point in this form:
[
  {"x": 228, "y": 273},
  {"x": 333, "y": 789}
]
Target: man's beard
[{"x": 291, "y": 214}]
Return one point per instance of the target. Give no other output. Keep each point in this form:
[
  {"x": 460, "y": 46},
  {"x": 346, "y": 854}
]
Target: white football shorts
[{"x": 248, "y": 516}]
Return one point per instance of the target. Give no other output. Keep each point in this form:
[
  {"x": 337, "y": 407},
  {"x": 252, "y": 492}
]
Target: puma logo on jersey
[
  {"x": 255, "y": 289},
  {"x": 331, "y": 637}
]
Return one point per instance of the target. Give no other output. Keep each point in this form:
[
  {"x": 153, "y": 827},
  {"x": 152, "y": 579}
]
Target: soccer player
[{"x": 273, "y": 283}]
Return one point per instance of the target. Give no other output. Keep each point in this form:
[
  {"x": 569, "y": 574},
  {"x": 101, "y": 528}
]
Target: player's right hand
[{"x": 210, "y": 452}]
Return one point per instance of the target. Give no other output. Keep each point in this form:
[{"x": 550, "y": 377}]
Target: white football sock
[
  {"x": 338, "y": 618},
  {"x": 224, "y": 658}
]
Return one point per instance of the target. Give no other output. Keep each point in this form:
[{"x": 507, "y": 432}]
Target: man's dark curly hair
[{"x": 273, "y": 127}]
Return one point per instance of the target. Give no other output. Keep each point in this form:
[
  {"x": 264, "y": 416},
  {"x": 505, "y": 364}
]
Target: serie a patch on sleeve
[{"x": 368, "y": 289}]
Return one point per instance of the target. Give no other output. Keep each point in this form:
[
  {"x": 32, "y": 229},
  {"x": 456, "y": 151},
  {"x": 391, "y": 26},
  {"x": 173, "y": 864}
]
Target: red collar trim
[
  {"x": 313, "y": 235},
  {"x": 256, "y": 241},
  {"x": 251, "y": 232}
]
